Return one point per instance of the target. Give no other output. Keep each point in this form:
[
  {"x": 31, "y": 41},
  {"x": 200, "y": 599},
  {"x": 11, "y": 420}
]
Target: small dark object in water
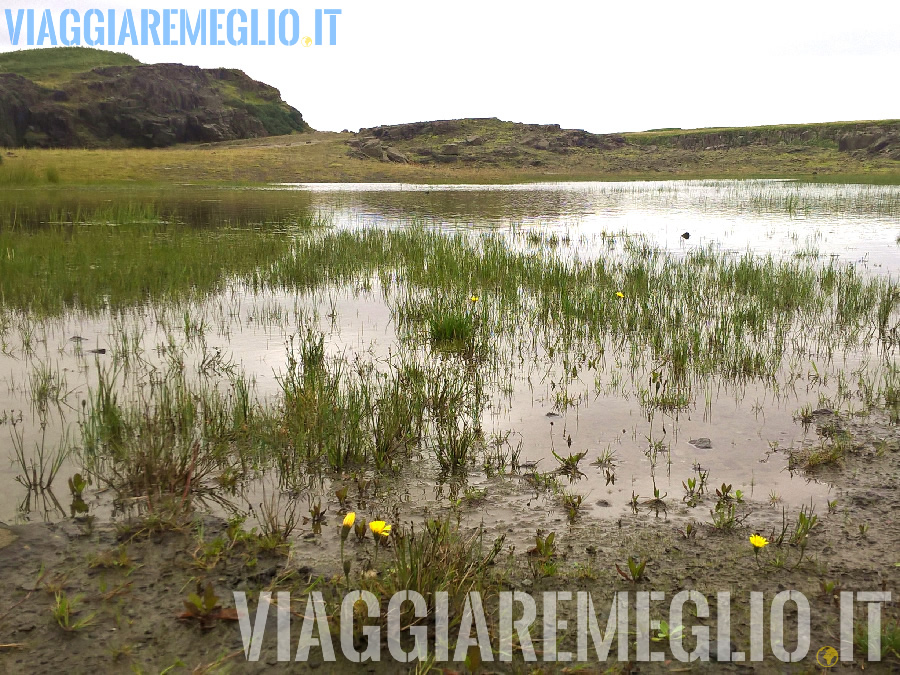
[
  {"x": 686, "y": 235},
  {"x": 76, "y": 338},
  {"x": 96, "y": 351}
]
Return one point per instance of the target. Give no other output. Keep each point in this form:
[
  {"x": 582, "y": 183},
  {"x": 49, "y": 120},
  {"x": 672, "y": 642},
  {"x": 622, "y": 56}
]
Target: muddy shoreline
[{"x": 131, "y": 581}]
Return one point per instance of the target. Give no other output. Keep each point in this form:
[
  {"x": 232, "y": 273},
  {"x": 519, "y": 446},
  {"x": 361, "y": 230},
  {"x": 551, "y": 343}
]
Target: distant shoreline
[{"x": 510, "y": 153}]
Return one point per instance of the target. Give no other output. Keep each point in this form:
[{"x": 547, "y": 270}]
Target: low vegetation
[{"x": 326, "y": 157}]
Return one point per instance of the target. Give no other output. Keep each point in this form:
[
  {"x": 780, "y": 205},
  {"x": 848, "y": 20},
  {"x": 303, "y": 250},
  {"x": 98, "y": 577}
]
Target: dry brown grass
[{"x": 323, "y": 157}]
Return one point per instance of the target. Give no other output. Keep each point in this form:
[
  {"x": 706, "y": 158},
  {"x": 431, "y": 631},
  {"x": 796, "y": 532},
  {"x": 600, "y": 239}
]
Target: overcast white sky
[{"x": 600, "y": 66}]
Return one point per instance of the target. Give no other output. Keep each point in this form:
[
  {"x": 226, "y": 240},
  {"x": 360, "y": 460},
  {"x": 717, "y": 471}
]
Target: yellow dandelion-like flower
[
  {"x": 474, "y": 298},
  {"x": 349, "y": 519},
  {"x": 386, "y": 531},
  {"x": 758, "y": 541},
  {"x": 377, "y": 526},
  {"x": 620, "y": 294}
]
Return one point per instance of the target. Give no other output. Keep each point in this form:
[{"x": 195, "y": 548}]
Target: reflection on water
[
  {"x": 852, "y": 222},
  {"x": 189, "y": 205},
  {"x": 746, "y": 423}
]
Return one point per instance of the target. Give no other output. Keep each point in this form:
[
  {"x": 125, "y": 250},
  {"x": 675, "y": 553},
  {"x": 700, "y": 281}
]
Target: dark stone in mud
[
  {"x": 263, "y": 575},
  {"x": 603, "y": 502},
  {"x": 864, "y": 498},
  {"x": 712, "y": 651},
  {"x": 701, "y": 443}
]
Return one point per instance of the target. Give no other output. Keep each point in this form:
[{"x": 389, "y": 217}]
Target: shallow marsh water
[{"x": 540, "y": 389}]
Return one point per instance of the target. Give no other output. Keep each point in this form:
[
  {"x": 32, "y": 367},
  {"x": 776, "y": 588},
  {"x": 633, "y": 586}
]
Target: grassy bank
[{"x": 326, "y": 157}]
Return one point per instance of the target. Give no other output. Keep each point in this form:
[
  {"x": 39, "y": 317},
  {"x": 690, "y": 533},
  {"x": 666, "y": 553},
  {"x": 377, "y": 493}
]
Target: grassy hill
[
  {"x": 52, "y": 67},
  {"x": 82, "y": 97}
]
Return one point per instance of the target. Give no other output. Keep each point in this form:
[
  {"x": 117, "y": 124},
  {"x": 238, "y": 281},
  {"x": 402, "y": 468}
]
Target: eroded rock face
[
  {"x": 372, "y": 149},
  {"x": 142, "y": 106},
  {"x": 448, "y": 142},
  {"x": 395, "y": 155},
  {"x": 871, "y": 138},
  {"x": 17, "y": 98},
  {"x": 873, "y": 142}
]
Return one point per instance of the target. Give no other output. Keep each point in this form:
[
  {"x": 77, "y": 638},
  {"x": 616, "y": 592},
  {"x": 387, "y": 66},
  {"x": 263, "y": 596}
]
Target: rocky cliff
[{"x": 137, "y": 106}]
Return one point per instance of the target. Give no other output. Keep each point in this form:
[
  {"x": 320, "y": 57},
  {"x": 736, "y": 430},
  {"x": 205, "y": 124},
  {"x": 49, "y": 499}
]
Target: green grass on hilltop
[
  {"x": 49, "y": 67},
  {"x": 821, "y": 134},
  {"x": 837, "y": 126}
]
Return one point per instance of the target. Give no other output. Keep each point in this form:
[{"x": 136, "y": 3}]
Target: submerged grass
[
  {"x": 180, "y": 435},
  {"x": 673, "y": 323},
  {"x": 451, "y": 330},
  {"x": 92, "y": 256},
  {"x": 707, "y": 312},
  {"x": 634, "y": 318}
]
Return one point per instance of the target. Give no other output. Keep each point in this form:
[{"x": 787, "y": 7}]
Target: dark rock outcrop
[
  {"x": 395, "y": 155},
  {"x": 142, "y": 106},
  {"x": 872, "y": 142},
  {"x": 867, "y": 137},
  {"x": 18, "y": 97},
  {"x": 372, "y": 149},
  {"x": 451, "y": 140}
]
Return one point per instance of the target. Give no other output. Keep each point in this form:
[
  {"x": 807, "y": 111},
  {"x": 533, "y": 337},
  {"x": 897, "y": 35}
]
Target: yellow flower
[
  {"x": 377, "y": 526},
  {"x": 620, "y": 294},
  {"x": 758, "y": 541},
  {"x": 474, "y": 298},
  {"x": 386, "y": 532},
  {"x": 349, "y": 519}
]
